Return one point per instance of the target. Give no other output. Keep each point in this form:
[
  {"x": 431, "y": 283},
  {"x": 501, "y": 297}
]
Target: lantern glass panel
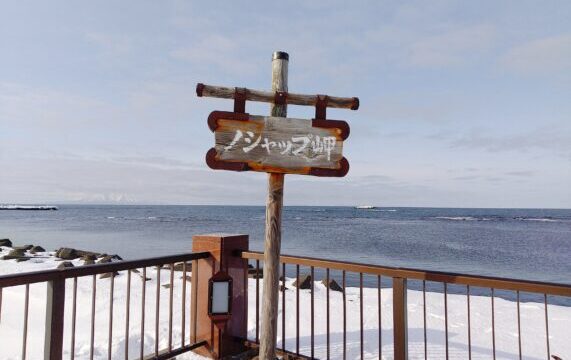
[{"x": 220, "y": 292}]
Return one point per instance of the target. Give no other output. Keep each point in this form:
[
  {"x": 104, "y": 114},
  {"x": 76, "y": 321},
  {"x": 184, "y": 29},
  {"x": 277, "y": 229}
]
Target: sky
[{"x": 463, "y": 104}]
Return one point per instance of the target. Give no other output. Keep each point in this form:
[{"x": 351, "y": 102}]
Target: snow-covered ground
[{"x": 532, "y": 320}]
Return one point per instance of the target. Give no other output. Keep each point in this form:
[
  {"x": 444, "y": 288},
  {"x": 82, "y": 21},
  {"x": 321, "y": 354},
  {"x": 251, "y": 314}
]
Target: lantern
[{"x": 220, "y": 298}]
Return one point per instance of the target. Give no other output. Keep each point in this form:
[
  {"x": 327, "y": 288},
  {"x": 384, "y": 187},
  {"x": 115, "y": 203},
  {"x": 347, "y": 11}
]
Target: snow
[{"x": 532, "y": 320}]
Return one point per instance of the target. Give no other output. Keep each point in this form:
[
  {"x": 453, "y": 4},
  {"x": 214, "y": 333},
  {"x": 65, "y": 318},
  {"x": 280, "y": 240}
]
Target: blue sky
[{"x": 463, "y": 104}]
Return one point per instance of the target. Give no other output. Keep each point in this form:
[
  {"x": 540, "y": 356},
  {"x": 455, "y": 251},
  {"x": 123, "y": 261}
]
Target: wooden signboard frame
[{"x": 336, "y": 129}]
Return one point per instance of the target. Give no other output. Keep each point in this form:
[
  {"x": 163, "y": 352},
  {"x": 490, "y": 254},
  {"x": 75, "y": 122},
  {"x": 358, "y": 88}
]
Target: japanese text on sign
[{"x": 295, "y": 145}]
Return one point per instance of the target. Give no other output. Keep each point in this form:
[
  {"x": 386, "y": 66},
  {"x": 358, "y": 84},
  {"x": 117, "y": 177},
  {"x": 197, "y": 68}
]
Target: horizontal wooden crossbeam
[{"x": 223, "y": 92}]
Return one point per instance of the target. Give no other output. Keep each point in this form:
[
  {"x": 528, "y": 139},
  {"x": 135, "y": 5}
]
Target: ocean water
[{"x": 517, "y": 243}]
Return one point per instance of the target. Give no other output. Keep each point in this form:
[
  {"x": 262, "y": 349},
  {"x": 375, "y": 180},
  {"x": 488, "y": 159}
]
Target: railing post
[
  {"x": 225, "y": 253},
  {"x": 53, "y": 341},
  {"x": 400, "y": 325}
]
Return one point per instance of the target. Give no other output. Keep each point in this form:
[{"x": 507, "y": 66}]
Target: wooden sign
[{"x": 279, "y": 145}]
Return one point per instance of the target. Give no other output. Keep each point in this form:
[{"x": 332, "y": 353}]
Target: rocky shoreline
[
  {"x": 66, "y": 255},
  {"x": 28, "y": 252}
]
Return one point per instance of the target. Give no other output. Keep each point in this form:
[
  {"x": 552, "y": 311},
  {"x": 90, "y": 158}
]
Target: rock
[
  {"x": 180, "y": 267},
  {"x": 23, "y": 258},
  {"x": 166, "y": 286},
  {"x": 88, "y": 262},
  {"x": 16, "y": 254},
  {"x": 65, "y": 265},
  {"x": 256, "y": 274},
  {"x": 91, "y": 257},
  {"x": 283, "y": 288},
  {"x": 188, "y": 278},
  {"x": 23, "y": 247},
  {"x": 332, "y": 285},
  {"x": 304, "y": 282},
  {"x": 71, "y": 254},
  {"x": 37, "y": 249},
  {"x": 108, "y": 259},
  {"x": 105, "y": 259},
  {"x": 67, "y": 254},
  {"x": 5, "y": 242},
  {"x": 141, "y": 276},
  {"x": 108, "y": 275},
  {"x": 83, "y": 253}
]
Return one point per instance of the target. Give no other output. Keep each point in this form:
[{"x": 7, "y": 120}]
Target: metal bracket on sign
[
  {"x": 280, "y": 98},
  {"x": 321, "y": 107},
  {"x": 240, "y": 100}
]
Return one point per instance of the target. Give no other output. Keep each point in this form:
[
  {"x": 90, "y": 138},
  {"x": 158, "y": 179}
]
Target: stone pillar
[{"x": 225, "y": 250}]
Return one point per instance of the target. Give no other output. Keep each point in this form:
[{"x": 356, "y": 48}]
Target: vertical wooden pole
[
  {"x": 400, "y": 323},
  {"x": 53, "y": 341},
  {"x": 272, "y": 242}
]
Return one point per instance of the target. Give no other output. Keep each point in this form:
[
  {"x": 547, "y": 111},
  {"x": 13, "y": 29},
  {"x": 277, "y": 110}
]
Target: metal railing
[
  {"x": 326, "y": 334},
  {"x": 378, "y": 274},
  {"x": 56, "y": 302}
]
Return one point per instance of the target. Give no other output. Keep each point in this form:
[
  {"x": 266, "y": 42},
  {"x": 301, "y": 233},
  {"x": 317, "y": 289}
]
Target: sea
[{"x": 532, "y": 244}]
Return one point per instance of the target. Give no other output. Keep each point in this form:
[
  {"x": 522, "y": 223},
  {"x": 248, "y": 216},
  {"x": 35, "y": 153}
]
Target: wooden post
[
  {"x": 400, "y": 326},
  {"x": 272, "y": 242},
  {"x": 223, "y": 248},
  {"x": 53, "y": 341}
]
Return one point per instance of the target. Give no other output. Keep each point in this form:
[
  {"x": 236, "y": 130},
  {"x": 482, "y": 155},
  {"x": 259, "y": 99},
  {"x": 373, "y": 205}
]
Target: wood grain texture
[
  {"x": 272, "y": 239},
  {"x": 400, "y": 323},
  {"x": 223, "y": 92},
  {"x": 281, "y": 143}
]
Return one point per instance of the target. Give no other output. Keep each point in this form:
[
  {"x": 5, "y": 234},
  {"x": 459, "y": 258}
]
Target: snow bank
[{"x": 532, "y": 320}]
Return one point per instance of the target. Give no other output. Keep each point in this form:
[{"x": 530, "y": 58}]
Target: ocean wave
[
  {"x": 546, "y": 219},
  {"x": 497, "y": 218},
  {"x": 458, "y": 218}
]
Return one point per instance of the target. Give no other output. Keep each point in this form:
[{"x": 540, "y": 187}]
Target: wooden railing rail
[
  {"x": 417, "y": 274},
  {"x": 32, "y": 277}
]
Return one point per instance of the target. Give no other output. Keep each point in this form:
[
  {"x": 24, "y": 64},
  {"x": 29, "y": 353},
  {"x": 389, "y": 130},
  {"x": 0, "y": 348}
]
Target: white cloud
[
  {"x": 454, "y": 47},
  {"x": 116, "y": 44},
  {"x": 546, "y": 55},
  {"x": 557, "y": 141},
  {"x": 41, "y": 107},
  {"x": 218, "y": 50}
]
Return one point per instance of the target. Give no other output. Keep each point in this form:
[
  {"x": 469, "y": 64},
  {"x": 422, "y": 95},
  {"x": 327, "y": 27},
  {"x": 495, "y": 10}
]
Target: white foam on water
[{"x": 456, "y": 218}]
